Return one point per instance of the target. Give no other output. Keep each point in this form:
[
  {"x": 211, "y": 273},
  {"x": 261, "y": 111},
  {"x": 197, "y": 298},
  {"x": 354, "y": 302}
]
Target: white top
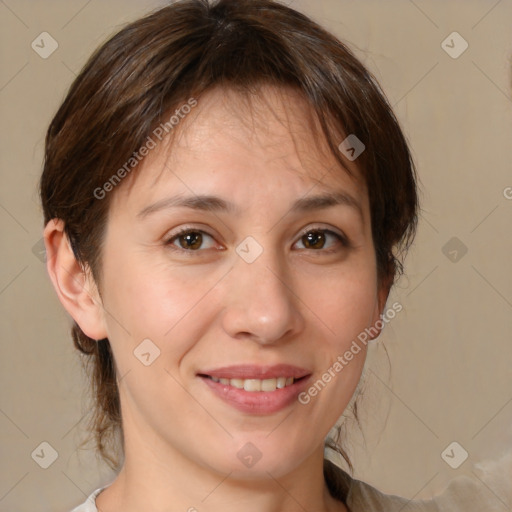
[
  {"x": 461, "y": 495},
  {"x": 90, "y": 503}
]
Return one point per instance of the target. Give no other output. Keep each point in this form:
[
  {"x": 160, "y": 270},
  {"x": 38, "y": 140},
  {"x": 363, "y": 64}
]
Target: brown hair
[{"x": 132, "y": 82}]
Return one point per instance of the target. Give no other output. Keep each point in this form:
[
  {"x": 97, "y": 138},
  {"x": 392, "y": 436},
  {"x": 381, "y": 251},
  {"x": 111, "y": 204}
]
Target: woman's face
[{"x": 273, "y": 278}]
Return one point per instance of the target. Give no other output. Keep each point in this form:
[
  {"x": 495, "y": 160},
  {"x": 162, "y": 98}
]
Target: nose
[{"x": 260, "y": 302}]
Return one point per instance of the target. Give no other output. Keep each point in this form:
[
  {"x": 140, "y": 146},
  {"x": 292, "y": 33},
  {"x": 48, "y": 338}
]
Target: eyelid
[
  {"x": 187, "y": 228},
  {"x": 337, "y": 233},
  {"x": 169, "y": 238}
]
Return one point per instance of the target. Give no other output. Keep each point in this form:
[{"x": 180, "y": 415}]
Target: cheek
[
  {"x": 155, "y": 302},
  {"x": 344, "y": 306},
  {"x": 344, "y": 312},
  {"x": 344, "y": 302}
]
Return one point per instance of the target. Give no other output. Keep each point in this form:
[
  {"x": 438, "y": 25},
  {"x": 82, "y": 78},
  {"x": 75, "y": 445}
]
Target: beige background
[{"x": 449, "y": 377}]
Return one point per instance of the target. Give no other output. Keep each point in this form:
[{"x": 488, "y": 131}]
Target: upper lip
[{"x": 251, "y": 371}]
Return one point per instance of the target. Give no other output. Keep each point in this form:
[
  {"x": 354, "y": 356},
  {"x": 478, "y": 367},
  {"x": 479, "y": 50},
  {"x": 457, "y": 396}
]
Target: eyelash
[
  {"x": 341, "y": 238},
  {"x": 185, "y": 231}
]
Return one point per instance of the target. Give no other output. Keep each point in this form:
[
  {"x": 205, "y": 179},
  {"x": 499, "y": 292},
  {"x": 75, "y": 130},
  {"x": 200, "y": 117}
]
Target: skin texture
[{"x": 208, "y": 308}]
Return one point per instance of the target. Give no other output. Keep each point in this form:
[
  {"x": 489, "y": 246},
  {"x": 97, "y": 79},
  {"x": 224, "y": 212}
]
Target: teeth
[
  {"x": 281, "y": 382},
  {"x": 253, "y": 385},
  {"x": 237, "y": 383},
  {"x": 269, "y": 385}
]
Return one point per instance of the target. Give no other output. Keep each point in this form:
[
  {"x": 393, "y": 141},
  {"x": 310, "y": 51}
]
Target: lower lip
[{"x": 257, "y": 402}]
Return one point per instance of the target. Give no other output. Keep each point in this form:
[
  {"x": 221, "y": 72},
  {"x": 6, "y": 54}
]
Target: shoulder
[
  {"x": 463, "y": 493},
  {"x": 362, "y": 497},
  {"x": 89, "y": 505},
  {"x": 359, "y": 496}
]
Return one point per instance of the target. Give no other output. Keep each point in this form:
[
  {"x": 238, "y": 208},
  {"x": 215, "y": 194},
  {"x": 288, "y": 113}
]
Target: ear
[
  {"x": 74, "y": 285},
  {"x": 380, "y": 303}
]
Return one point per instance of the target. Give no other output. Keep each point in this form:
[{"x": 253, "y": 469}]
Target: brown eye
[
  {"x": 323, "y": 240},
  {"x": 314, "y": 240},
  {"x": 191, "y": 240}
]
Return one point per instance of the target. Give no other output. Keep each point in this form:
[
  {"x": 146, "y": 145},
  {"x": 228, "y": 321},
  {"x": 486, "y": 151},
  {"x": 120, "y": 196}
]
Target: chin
[{"x": 258, "y": 460}]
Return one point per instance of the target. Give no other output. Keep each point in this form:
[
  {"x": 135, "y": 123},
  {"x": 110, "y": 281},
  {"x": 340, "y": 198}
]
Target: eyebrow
[
  {"x": 216, "y": 204},
  {"x": 327, "y": 200}
]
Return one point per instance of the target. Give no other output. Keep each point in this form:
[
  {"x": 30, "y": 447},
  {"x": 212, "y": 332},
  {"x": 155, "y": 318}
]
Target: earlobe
[{"x": 74, "y": 285}]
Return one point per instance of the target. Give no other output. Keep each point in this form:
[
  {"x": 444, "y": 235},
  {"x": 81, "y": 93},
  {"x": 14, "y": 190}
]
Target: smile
[
  {"x": 256, "y": 384},
  {"x": 257, "y": 389}
]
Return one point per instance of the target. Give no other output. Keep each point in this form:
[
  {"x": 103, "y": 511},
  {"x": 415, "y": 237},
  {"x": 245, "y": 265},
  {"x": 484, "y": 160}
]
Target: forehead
[{"x": 270, "y": 136}]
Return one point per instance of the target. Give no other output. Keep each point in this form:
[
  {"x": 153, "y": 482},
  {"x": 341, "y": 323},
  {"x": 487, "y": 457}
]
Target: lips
[
  {"x": 257, "y": 389},
  {"x": 256, "y": 372}
]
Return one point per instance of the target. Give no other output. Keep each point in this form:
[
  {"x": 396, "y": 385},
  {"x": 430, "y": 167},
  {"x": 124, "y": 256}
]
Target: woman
[{"x": 227, "y": 199}]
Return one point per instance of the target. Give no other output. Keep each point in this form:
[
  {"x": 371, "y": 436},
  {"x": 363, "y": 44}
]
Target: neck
[{"x": 155, "y": 478}]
